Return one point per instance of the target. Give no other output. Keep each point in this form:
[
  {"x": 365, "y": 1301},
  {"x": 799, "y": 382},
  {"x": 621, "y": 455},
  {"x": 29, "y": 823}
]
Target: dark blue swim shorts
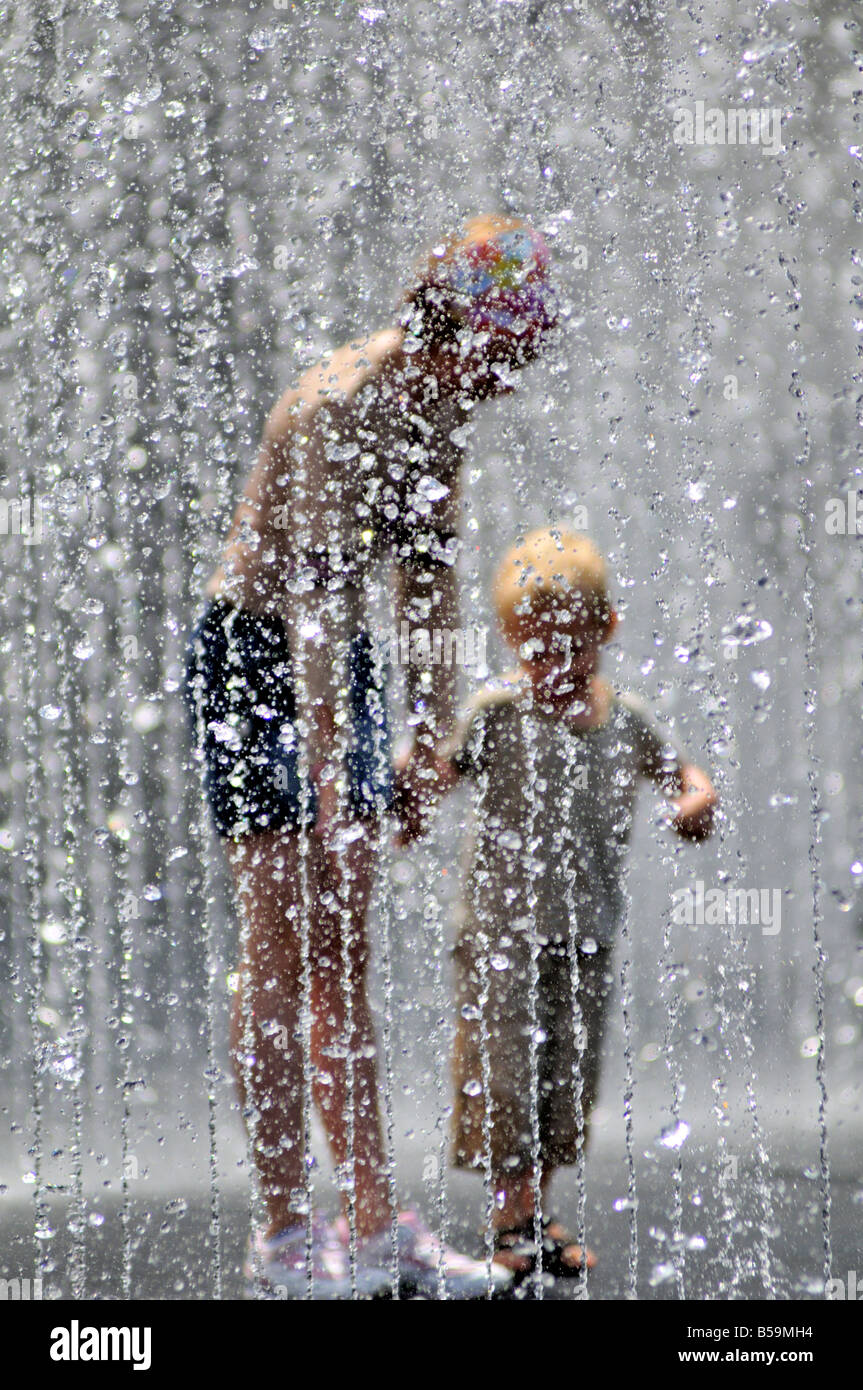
[{"x": 241, "y": 702}]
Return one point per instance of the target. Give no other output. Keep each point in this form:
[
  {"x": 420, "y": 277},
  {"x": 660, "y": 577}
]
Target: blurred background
[{"x": 198, "y": 201}]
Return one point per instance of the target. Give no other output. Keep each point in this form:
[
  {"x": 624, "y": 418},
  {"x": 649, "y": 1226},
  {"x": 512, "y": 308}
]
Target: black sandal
[
  {"x": 521, "y": 1242},
  {"x": 554, "y": 1247}
]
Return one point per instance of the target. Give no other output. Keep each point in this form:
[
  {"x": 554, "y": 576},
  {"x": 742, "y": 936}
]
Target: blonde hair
[{"x": 552, "y": 570}]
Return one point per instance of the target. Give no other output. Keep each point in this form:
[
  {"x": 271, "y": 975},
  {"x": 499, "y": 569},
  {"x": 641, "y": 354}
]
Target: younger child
[{"x": 556, "y": 755}]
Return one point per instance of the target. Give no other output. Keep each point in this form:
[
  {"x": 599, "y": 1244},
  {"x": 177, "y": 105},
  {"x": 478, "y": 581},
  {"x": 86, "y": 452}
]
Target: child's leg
[
  {"x": 513, "y": 1210},
  {"x": 492, "y": 1072},
  {"x": 569, "y": 1076},
  {"x": 514, "y": 1204},
  {"x": 266, "y": 1019},
  {"x": 571, "y": 1253}
]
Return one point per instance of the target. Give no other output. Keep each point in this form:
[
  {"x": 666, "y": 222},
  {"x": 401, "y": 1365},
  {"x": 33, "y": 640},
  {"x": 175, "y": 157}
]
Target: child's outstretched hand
[
  {"x": 422, "y": 777},
  {"x": 695, "y": 804}
]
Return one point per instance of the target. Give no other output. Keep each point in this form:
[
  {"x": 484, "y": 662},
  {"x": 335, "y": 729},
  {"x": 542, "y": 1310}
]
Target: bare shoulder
[
  {"x": 500, "y": 694},
  {"x": 286, "y": 417},
  {"x": 649, "y": 728},
  {"x": 481, "y": 717},
  {"x": 633, "y": 704},
  {"x": 333, "y": 382}
]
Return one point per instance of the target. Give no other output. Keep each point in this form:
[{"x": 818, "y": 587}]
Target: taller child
[{"x": 359, "y": 460}]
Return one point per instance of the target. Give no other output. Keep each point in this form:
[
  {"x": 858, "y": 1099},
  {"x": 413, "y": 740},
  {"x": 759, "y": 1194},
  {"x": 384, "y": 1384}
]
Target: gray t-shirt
[{"x": 555, "y": 806}]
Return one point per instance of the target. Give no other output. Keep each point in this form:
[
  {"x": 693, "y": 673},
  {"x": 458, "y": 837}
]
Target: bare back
[{"x": 345, "y": 462}]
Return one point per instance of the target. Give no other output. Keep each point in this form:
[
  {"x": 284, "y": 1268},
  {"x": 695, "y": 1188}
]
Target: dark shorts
[{"x": 241, "y": 703}]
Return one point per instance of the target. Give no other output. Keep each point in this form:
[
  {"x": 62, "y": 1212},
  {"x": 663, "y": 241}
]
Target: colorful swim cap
[{"x": 494, "y": 280}]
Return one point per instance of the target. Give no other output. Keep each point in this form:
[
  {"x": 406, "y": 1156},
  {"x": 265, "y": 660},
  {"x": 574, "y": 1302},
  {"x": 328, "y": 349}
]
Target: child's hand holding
[
  {"x": 695, "y": 804},
  {"x": 422, "y": 777}
]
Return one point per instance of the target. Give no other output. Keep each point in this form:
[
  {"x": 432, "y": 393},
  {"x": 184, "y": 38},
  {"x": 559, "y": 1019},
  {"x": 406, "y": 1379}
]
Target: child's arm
[
  {"x": 694, "y": 798},
  {"x": 689, "y": 790}
]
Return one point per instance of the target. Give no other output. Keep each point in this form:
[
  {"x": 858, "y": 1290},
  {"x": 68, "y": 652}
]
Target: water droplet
[
  {"x": 746, "y": 630},
  {"x": 262, "y": 39},
  {"x": 674, "y": 1137},
  {"x": 432, "y": 489},
  {"x": 509, "y": 839},
  {"x": 342, "y": 453},
  {"x": 146, "y": 717}
]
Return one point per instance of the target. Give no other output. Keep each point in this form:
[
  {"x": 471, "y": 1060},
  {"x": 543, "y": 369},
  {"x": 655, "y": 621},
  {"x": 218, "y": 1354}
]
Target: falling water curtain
[{"x": 198, "y": 201}]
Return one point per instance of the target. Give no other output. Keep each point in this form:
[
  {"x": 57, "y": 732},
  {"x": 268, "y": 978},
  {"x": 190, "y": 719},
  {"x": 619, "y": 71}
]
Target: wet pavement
[{"x": 171, "y": 1256}]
